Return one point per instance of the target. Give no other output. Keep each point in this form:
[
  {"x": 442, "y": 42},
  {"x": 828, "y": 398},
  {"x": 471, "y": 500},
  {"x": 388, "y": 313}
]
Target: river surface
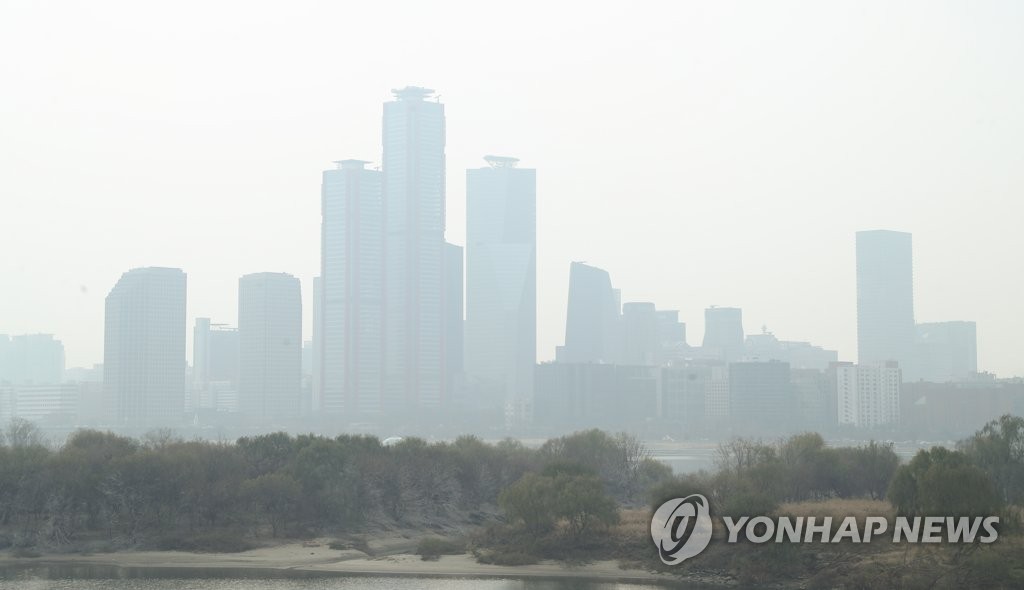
[{"x": 92, "y": 577}]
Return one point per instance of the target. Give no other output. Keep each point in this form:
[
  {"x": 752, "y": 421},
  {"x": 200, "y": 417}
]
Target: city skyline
[
  {"x": 395, "y": 347},
  {"x": 450, "y": 294},
  {"x": 691, "y": 166}
]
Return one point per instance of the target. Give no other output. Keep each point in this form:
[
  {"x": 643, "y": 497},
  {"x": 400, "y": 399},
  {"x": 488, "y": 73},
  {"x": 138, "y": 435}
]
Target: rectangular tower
[
  {"x": 885, "y": 298},
  {"x": 270, "y": 347},
  {"x": 349, "y": 337},
  {"x": 144, "y": 348},
  {"x": 501, "y": 285},
  {"x": 414, "y": 223}
]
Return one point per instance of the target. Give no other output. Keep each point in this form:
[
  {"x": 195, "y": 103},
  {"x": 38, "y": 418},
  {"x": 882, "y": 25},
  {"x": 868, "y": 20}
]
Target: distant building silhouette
[
  {"x": 885, "y": 299},
  {"x": 316, "y": 395},
  {"x": 214, "y": 367},
  {"x": 672, "y": 334},
  {"x": 270, "y": 347},
  {"x": 949, "y": 411},
  {"x": 31, "y": 359},
  {"x": 814, "y": 398},
  {"x": 350, "y": 320},
  {"x": 641, "y": 334},
  {"x": 144, "y": 348},
  {"x": 453, "y": 322},
  {"x": 44, "y": 404},
  {"x": 684, "y": 395},
  {"x": 717, "y": 408},
  {"x": 761, "y": 398},
  {"x": 576, "y": 396},
  {"x": 501, "y": 287},
  {"x": 799, "y": 355},
  {"x": 947, "y": 351},
  {"x": 723, "y": 332},
  {"x": 593, "y": 330}
]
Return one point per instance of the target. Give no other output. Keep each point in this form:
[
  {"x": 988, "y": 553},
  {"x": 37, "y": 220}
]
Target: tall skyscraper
[
  {"x": 723, "y": 332},
  {"x": 144, "y": 348},
  {"x": 593, "y": 323},
  {"x": 885, "y": 299},
  {"x": 414, "y": 223},
  {"x": 350, "y": 330},
  {"x": 501, "y": 285},
  {"x": 270, "y": 347}
]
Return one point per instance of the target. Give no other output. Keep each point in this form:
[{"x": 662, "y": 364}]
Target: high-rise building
[
  {"x": 641, "y": 337},
  {"x": 414, "y": 224},
  {"x": 316, "y": 395},
  {"x": 947, "y": 351},
  {"x": 684, "y": 393},
  {"x": 270, "y": 347},
  {"x": 144, "y": 348},
  {"x": 723, "y": 332},
  {"x": 761, "y": 398},
  {"x": 868, "y": 395},
  {"x": 350, "y": 323},
  {"x": 214, "y": 366},
  {"x": 593, "y": 323},
  {"x": 501, "y": 285},
  {"x": 885, "y": 299},
  {"x": 31, "y": 359},
  {"x": 672, "y": 334},
  {"x": 453, "y": 321},
  {"x": 716, "y": 395},
  {"x": 815, "y": 404}
]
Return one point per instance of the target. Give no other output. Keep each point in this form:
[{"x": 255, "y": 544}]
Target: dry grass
[
  {"x": 633, "y": 523},
  {"x": 839, "y": 509}
]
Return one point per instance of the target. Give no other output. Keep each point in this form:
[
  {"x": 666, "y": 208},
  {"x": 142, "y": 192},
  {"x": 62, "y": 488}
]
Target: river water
[{"x": 90, "y": 577}]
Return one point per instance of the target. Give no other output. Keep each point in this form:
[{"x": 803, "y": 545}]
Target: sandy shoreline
[{"x": 322, "y": 560}]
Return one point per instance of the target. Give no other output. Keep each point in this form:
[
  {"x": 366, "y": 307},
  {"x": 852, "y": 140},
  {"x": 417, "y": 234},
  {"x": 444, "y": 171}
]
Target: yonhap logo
[{"x": 681, "y": 528}]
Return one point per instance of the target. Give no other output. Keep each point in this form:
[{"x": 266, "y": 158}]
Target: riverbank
[{"x": 397, "y": 561}]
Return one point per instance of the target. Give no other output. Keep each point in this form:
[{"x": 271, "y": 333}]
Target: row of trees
[
  {"x": 167, "y": 493},
  {"x": 982, "y": 476},
  {"x": 754, "y": 477}
]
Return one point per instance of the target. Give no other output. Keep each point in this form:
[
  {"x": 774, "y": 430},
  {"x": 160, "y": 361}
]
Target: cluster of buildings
[
  {"x": 412, "y": 333},
  {"x": 629, "y": 365},
  {"x": 409, "y": 330}
]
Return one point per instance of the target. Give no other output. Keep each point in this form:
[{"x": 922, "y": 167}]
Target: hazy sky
[{"x": 702, "y": 152}]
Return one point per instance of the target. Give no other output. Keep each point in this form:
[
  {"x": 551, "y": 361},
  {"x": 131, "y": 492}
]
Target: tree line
[
  {"x": 166, "y": 493},
  {"x": 982, "y": 475}
]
